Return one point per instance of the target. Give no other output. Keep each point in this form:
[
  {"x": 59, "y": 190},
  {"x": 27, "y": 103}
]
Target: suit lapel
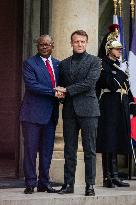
[
  {"x": 68, "y": 70},
  {"x": 42, "y": 67},
  {"x": 55, "y": 67}
]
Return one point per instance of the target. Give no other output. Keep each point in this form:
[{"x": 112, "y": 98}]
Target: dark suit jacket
[
  {"x": 39, "y": 101},
  {"x": 80, "y": 84}
]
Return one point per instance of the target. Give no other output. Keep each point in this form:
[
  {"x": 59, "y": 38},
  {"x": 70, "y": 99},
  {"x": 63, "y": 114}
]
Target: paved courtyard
[{"x": 104, "y": 196}]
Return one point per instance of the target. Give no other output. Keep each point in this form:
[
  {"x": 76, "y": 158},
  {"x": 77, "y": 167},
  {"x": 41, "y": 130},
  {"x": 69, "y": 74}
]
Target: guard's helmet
[
  {"x": 112, "y": 44},
  {"x": 113, "y": 28},
  {"x": 114, "y": 32}
]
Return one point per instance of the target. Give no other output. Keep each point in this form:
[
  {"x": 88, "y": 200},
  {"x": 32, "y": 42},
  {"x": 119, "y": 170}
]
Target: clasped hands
[{"x": 60, "y": 92}]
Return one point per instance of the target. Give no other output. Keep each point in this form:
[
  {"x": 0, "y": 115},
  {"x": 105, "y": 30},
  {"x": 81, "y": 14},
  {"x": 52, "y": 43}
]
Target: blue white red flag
[
  {"x": 121, "y": 39},
  {"x": 132, "y": 79}
]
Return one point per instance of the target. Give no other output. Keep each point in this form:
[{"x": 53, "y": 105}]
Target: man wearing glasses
[{"x": 39, "y": 114}]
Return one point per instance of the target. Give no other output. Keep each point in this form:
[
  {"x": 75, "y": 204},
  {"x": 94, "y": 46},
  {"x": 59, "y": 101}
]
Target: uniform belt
[{"x": 121, "y": 91}]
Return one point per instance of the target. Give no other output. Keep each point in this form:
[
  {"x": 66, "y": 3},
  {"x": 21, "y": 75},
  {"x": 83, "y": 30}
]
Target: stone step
[{"x": 104, "y": 196}]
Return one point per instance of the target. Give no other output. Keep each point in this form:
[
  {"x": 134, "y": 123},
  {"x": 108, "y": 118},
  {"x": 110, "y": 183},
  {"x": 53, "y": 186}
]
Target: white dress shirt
[{"x": 51, "y": 64}]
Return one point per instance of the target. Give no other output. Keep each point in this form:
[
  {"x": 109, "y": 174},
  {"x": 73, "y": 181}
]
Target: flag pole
[
  {"x": 120, "y": 7},
  {"x": 132, "y": 8},
  {"x": 124, "y": 57},
  {"x": 115, "y": 17},
  {"x": 133, "y": 151},
  {"x": 132, "y": 15},
  {"x": 132, "y": 21},
  {"x": 115, "y": 7}
]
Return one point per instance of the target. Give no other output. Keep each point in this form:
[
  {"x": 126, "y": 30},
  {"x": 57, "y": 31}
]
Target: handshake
[{"x": 60, "y": 92}]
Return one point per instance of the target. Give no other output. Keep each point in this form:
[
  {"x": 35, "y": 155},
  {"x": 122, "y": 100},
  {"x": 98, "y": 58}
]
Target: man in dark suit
[
  {"x": 39, "y": 114},
  {"x": 78, "y": 76}
]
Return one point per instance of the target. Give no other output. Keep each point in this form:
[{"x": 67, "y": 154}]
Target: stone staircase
[{"x": 104, "y": 196}]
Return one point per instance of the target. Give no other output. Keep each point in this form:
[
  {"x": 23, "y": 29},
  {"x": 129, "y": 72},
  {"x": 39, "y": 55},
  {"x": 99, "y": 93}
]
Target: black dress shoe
[
  {"x": 47, "y": 188},
  {"x": 28, "y": 190},
  {"x": 108, "y": 183},
  {"x": 66, "y": 189},
  {"x": 120, "y": 183},
  {"x": 89, "y": 190}
]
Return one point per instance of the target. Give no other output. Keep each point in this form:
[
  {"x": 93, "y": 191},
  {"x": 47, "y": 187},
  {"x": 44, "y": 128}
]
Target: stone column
[
  {"x": 66, "y": 17},
  {"x": 31, "y": 30}
]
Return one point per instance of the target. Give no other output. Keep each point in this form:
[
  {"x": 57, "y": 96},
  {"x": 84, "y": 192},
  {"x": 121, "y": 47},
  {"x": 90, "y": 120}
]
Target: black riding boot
[
  {"x": 114, "y": 172},
  {"x": 106, "y": 164},
  {"x": 114, "y": 166}
]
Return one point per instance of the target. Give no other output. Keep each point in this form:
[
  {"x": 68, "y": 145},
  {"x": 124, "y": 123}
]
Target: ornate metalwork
[
  {"x": 132, "y": 7},
  {"x": 113, "y": 35},
  {"x": 120, "y": 7},
  {"x": 115, "y": 6}
]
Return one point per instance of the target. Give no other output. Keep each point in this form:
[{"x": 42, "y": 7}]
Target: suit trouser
[
  {"x": 71, "y": 127},
  {"x": 38, "y": 137},
  {"x": 110, "y": 165}
]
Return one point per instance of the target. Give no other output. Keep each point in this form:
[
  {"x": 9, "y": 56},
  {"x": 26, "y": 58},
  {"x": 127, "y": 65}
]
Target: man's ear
[{"x": 53, "y": 45}]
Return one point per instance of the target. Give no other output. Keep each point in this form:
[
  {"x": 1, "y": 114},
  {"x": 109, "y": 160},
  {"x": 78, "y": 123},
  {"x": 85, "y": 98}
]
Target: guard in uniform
[{"x": 116, "y": 105}]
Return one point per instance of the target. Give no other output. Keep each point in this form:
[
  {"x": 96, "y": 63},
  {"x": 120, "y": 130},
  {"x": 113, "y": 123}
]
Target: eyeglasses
[{"x": 45, "y": 45}]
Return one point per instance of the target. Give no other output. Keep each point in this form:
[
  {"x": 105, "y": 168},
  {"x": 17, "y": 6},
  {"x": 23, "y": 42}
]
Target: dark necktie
[{"x": 50, "y": 72}]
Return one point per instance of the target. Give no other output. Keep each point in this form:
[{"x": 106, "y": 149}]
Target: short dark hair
[
  {"x": 43, "y": 36},
  {"x": 79, "y": 32}
]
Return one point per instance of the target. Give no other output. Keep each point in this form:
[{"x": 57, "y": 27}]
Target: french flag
[
  {"x": 131, "y": 62},
  {"x": 132, "y": 79},
  {"x": 121, "y": 39}
]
